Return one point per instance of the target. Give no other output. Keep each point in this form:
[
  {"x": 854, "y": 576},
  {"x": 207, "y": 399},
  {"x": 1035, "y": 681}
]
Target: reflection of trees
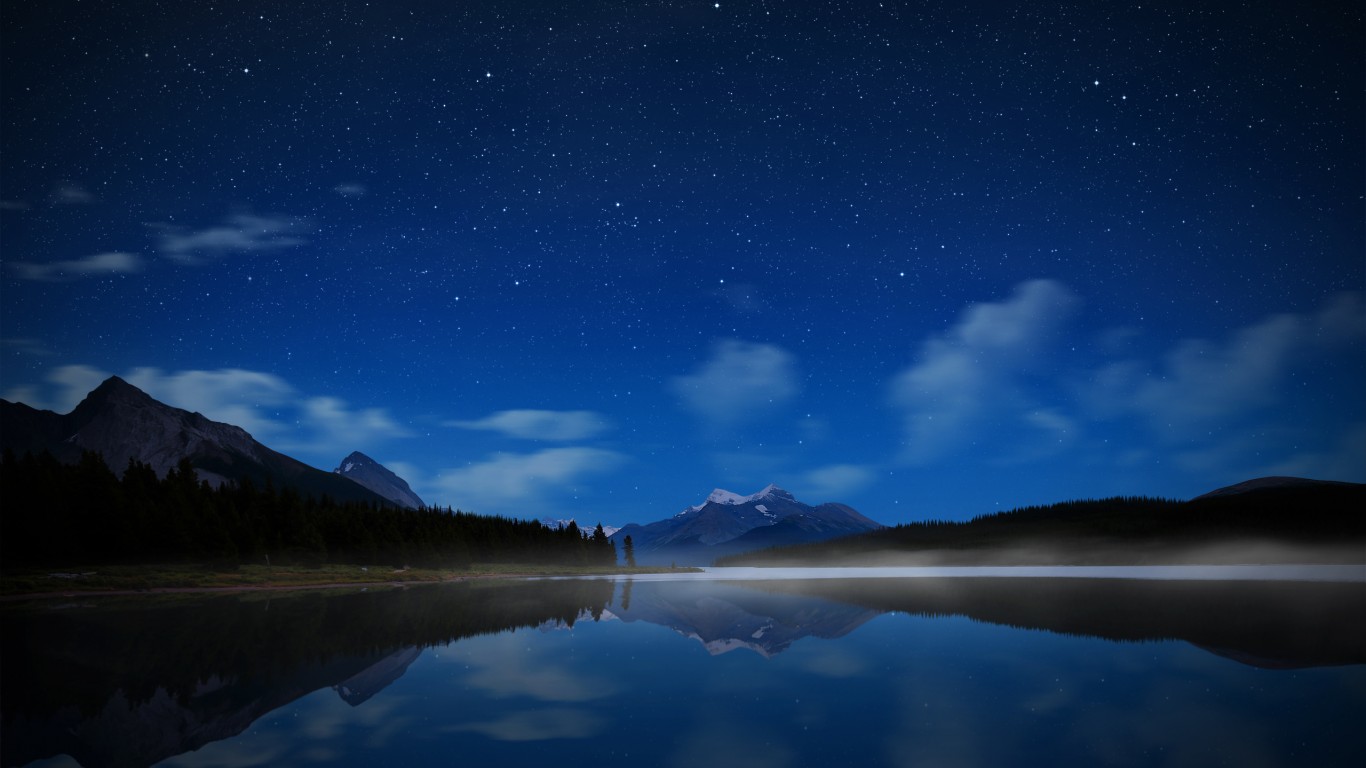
[
  {"x": 1259, "y": 622},
  {"x": 225, "y": 655}
]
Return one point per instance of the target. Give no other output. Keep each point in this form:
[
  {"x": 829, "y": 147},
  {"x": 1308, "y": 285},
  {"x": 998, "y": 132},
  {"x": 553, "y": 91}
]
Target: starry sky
[{"x": 593, "y": 259}]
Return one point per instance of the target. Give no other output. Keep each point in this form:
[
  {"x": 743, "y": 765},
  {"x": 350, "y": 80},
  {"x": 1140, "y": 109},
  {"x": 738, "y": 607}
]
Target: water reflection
[
  {"x": 134, "y": 681},
  {"x": 727, "y": 617},
  {"x": 794, "y": 672},
  {"x": 1272, "y": 624}
]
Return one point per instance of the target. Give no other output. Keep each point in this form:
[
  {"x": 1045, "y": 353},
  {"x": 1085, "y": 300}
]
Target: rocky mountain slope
[
  {"x": 362, "y": 469},
  {"x": 726, "y": 523},
  {"x": 122, "y": 423}
]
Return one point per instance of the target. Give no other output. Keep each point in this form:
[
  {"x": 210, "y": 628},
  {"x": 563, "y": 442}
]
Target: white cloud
[
  {"x": 71, "y": 193},
  {"x": 265, "y": 405},
  {"x": 1203, "y": 385},
  {"x": 334, "y": 423},
  {"x": 972, "y": 372},
  {"x": 115, "y": 262},
  {"x": 26, "y": 346},
  {"x": 506, "y": 671},
  {"x": 540, "y": 425},
  {"x": 350, "y": 190},
  {"x": 240, "y": 233},
  {"x": 516, "y": 483},
  {"x": 538, "y": 725},
  {"x": 230, "y": 395},
  {"x": 741, "y": 381},
  {"x": 832, "y": 482},
  {"x": 1341, "y": 459},
  {"x": 65, "y": 387}
]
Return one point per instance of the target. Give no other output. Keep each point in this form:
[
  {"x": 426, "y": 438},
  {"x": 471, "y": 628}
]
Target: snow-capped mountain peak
[
  {"x": 722, "y": 496},
  {"x": 553, "y": 523},
  {"x": 729, "y": 522},
  {"x": 728, "y": 498}
]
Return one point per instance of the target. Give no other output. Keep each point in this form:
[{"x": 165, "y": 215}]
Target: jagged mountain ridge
[
  {"x": 728, "y": 523},
  {"x": 563, "y": 522},
  {"x": 122, "y": 423},
  {"x": 362, "y": 469}
]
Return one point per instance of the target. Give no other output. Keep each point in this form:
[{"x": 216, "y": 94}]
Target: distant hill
[
  {"x": 1259, "y": 521},
  {"x": 1265, "y": 483},
  {"x": 726, "y": 523},
  {"x": 373, "y": 475},
  {"x": 122, "y": 423}
]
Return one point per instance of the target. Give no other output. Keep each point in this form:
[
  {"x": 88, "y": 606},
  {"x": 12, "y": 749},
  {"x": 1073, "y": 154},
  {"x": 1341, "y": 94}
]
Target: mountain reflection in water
[
  {"x": 728, "y": 617},
  {"x": 133, "y": 681},
  {"x": 1274, "y": 624}
]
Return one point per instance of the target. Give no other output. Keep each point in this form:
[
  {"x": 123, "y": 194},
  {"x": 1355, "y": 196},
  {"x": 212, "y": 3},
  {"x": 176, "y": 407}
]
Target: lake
[{"x": 725, "y": 668}]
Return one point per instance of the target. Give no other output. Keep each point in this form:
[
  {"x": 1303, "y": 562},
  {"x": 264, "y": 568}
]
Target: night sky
[{"x": 593, "y": 259}]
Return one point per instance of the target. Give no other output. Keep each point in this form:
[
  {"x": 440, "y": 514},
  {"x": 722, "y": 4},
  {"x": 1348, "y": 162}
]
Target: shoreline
[
  {"x": 132, "y": 581},
  {"x": 1346, "y": 573},
  {"x": 251, "y": 588}
]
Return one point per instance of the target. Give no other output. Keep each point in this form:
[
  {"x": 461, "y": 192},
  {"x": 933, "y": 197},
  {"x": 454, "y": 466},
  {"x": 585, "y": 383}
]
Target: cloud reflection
[
  {"x": 538, "y": 725},
  {"x": 506, "y": 670},
  {"x": 719, "y": 744},
  {"x": 836, "y": 664}
]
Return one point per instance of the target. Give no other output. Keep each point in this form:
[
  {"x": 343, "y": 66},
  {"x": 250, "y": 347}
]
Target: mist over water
[{"x": 1330, "y": 573}]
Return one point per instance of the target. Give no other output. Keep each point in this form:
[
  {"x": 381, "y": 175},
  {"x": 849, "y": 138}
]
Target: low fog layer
[{"x": 1336, "y": 573}]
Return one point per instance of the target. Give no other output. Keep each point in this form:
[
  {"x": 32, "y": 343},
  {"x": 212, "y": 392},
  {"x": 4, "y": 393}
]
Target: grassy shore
[{"x": 190, "y": 578}]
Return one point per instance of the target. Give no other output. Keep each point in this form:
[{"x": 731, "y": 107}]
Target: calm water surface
[{"x": 963, "y": 670}]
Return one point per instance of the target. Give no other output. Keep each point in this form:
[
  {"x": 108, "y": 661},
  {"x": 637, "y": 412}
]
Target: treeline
[
  {"x": 1120, "y": 529},
  {"x": 85, "y": 514}
]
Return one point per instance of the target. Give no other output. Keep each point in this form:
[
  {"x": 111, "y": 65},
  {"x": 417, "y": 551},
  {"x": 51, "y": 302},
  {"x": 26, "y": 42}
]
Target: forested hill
[
  {"x": 1305, "y": 521},
  {"x": 54, "y": 514}
]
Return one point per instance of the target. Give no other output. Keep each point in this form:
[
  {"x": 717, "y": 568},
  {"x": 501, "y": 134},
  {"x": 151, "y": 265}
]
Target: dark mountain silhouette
[
  {"x": 727, "y": 523},
  {"x": 122, "y": 424},
  {"x": 1268, "y": 520},
  {"x": 370, "y": 473},
  {"x": 1265, "y": 483}
]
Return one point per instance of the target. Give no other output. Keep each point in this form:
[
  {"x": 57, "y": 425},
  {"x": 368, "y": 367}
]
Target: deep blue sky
[{"x": 594, "y": 259}]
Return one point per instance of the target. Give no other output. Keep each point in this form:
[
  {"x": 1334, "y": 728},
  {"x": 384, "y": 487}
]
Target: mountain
[
  {"x": 370, "y": 473},
  {"x": 1266, "y": 520},
  {"x": 122, "y": 423},
  {"x": 553, "y": 523},
  {"x": 1268, "y": 483},
  {"x": 728, "y": 523}
]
